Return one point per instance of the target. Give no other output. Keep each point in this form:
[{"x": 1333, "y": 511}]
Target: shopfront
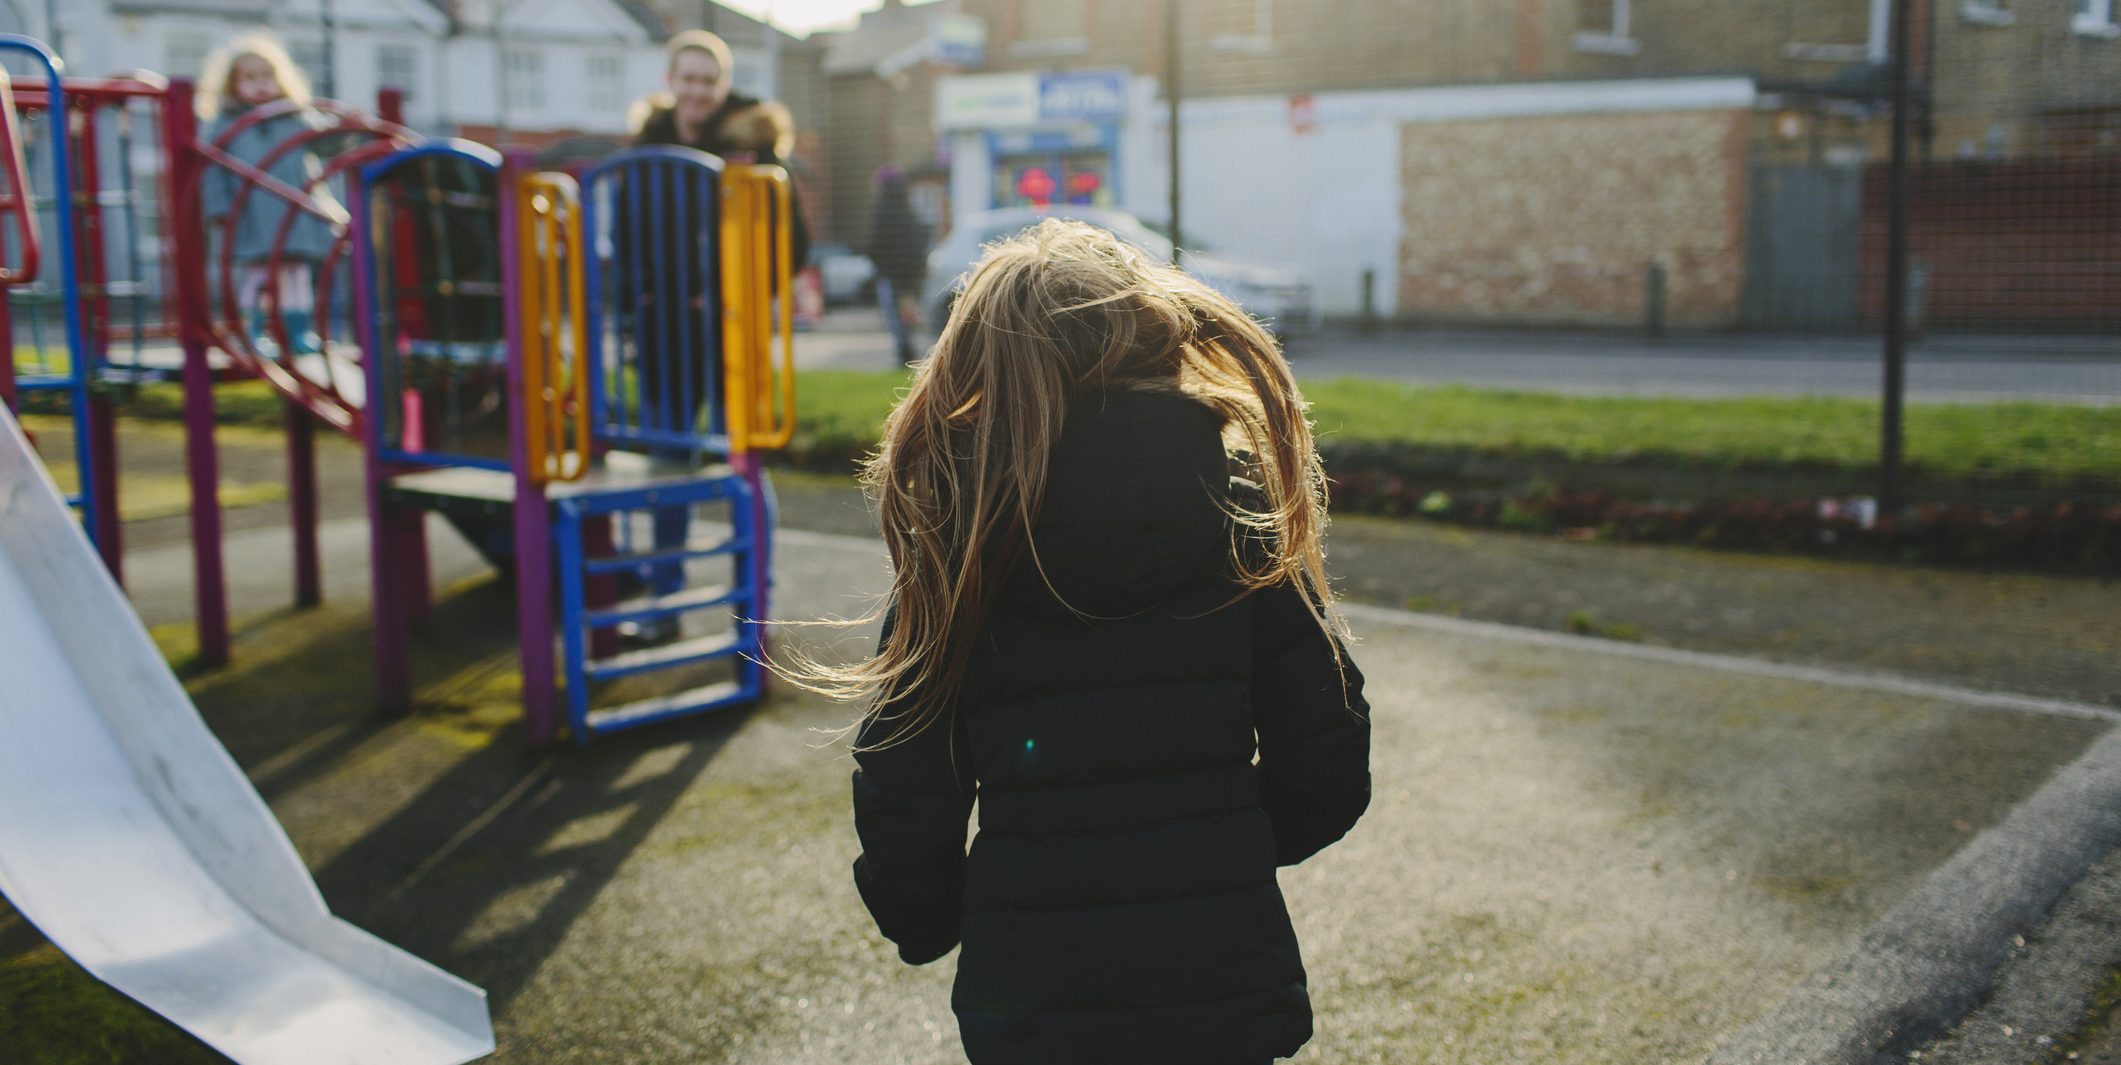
[{"x": 1028, "y": 139}]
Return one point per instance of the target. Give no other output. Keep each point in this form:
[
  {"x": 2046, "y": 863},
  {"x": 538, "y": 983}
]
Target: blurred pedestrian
[{"x": 898, "y": 248}]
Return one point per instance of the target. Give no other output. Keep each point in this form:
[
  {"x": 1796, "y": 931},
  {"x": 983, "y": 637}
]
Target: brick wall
[
  {"x": 1555, "y": 220},
  {"x": 874, "y": 121},
  {"x": 2029, "y": 244}
]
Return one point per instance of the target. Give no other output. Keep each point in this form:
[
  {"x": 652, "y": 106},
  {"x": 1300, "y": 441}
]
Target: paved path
[{"x": 1578, "y": 852}]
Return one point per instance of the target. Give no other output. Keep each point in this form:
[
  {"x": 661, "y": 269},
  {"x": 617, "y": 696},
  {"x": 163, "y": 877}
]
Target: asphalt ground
[{"x": 1582, "y": 849}]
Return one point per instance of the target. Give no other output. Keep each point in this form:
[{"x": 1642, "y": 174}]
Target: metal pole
[
  {"x": 201, "y": 460},
  {"x": 1889, "y": 457},
  {"x": 1172, "y": 91},
  {"x": 532, "y": 517},
  {"x": 329, "y": 81},
  {"x": 51, "y": 28},
  {"x": 773, "y": 52}
]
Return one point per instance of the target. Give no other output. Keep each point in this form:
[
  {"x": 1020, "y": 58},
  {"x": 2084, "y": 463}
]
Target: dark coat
[
  {"x": 898, "y": 241},
  {"x": 661, "y": 127},
  {"x": 667, "y": 315},
  {"x": 1119, "y": 904}
]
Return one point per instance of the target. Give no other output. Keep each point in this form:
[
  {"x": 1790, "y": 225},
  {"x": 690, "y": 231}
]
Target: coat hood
[
  {"x": 1133, "y": 509},
  {"x": 764, "y": 128}
]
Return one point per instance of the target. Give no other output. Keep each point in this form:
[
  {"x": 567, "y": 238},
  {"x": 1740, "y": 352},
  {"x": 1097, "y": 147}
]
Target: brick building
[
  {"x": 880, "y": 84},
  {"x": 1528, "y": 161}
]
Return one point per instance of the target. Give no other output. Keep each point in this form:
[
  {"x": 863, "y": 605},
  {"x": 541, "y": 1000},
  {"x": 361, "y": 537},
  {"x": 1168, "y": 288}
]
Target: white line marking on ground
[{"x": 1878, "y": 682}]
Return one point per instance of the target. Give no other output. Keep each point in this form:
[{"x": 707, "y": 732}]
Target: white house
[{"x": 493, "y": 69}]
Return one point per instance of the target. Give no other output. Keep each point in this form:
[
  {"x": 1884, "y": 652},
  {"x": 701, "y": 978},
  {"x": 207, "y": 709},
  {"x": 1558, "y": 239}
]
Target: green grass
[
  {"x": 38, "y": 362},
  {"x": 842, "y": 411},
  {"x": 845, "y": 409},
  {"x": 2048, "y": 441},
  {"x": 1951, "y": 440},
  {"x": 54, "y": 1013}
]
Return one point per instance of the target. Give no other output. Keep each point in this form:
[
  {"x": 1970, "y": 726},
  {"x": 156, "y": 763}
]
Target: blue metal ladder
[{"x": 742, "y": 643}]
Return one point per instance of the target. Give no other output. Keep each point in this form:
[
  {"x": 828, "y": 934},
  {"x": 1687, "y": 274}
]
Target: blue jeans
[{"x": 887, "y": 299}]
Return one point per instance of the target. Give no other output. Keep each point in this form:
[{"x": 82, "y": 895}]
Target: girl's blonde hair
[
  {"x": 217, "y": 81},
  {"x": 1061, "y": 309}
]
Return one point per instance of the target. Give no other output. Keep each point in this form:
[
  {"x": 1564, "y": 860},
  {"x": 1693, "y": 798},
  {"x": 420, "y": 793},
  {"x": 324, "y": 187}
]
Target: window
[
  {"x": 523, "y": 79},
  {"x": 1604, "y": 28},
  {"x": 607, "y": 83},
  {"x": 1986, "y": 12},
  {"x": 2095, "y": 18},
  {"x": 184, "y": 53},
  {"x": 398, "y": 67},
  {"x": 1812, "y": 24},
  {"x": 1053, "y": 27},
  {"x": 1241, "y": 25}
]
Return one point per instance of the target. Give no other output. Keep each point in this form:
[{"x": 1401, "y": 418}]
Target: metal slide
[{"x": 132, "y": 840}]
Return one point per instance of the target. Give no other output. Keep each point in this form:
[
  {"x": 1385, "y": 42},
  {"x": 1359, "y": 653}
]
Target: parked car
[
  {"x": 1280, "y": 298},
  {"x": 848, "y": 276}
]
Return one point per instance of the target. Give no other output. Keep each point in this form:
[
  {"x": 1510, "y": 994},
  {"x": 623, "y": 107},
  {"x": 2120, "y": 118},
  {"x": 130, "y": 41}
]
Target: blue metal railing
[
  {"x": 463, "y": 377},
  {"x": 652, "y": 216},
  {"x": 79, "y": 370}
]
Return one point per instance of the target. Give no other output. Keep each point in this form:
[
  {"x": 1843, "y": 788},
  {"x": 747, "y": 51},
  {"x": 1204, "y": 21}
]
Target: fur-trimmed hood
[{"x": 765, "y": 129}]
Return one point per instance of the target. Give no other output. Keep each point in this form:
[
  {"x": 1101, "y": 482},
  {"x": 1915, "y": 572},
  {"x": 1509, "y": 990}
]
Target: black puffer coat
[{"x": 1119, "y": 904}]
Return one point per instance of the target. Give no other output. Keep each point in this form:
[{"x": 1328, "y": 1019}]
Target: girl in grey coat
[{"x": 254, "y": 72}]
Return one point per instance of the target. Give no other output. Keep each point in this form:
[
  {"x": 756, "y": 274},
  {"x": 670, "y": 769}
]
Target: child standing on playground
[
  {"x": 256, "y": 102},
  {"x": 1105, "y": 517}
]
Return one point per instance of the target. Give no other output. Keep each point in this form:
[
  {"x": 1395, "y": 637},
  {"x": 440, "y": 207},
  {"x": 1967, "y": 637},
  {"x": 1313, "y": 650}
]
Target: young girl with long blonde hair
[
  {"x": 247, "y": 74},
  {"x": 1109, "y": 624}
]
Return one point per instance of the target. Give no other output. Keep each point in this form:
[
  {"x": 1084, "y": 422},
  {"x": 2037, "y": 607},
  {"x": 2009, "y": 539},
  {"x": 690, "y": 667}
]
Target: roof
[
  {"x": 880, "y": 37},
  {"x": 739, "y": 29},
  {"x": 643, "y": 12}
]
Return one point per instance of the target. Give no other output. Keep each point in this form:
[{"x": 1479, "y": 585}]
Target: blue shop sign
[{"x": 1082, "y": 96}]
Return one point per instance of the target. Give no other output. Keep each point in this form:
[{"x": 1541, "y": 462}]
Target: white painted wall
[{"x": 1327, "y": 202}]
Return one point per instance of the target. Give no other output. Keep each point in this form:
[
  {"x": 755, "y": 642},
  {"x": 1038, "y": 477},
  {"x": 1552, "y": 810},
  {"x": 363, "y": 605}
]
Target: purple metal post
[
  {"x": 7, "y": 351},
  {"x": 386, "y": 576},
  {"x": 201, "y": 463},
  {"x": 302, "y": 502},
  {"x": 533, "y": 528},
  {"x": 419, "y": 572},
  {"x": 103, "y": 451}
]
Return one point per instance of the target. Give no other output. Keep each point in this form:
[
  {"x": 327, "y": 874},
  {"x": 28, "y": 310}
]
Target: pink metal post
[{"x": 188, "y": 245}]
